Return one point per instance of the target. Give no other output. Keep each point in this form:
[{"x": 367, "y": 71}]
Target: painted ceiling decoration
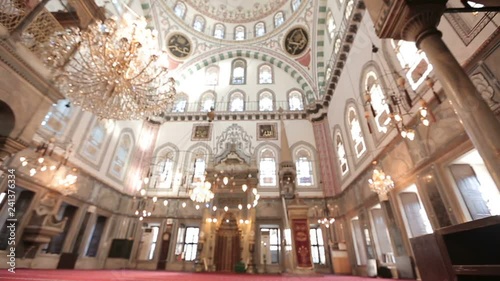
[
  {"x": 237, "y": 11},
  {"x": 179, "y": 46}
]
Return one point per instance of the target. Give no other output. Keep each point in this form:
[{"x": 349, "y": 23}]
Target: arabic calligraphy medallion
[
  {"x": 296, "y": 41},
  {"x": 179, "y": 46}
]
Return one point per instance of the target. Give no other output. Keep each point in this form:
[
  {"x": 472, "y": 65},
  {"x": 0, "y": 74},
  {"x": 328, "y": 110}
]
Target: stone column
[
  {"x": 416, "y": 21},
  {"x": 326, "y": 155}
]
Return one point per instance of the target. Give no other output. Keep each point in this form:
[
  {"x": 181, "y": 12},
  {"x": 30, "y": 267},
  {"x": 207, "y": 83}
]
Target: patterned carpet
[{"x": 136, "y": 275}]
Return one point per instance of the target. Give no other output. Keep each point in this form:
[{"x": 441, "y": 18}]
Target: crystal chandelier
[
  {"x": 64, "y": 178},
  {"x": 380, "y": 182},
  {"x": 202, "y": 192},
  {"x": 112, "y": 69}
]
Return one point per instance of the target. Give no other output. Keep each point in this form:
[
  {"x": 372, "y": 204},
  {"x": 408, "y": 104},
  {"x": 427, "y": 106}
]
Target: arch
[
  {"x": 207, "y": 101},
  {"x": 236, "y": 101},
  {"x": 342, "y": 151},
  {"x": 219, "y": 31},
  {"x": 267, "y": 162},
  {"x": 197, "y": 152},
  {"x": 276, "y": 59},
  {"x": 212, "y": 75},
  {"x": 180, "y": 103},
  {"x": 354, "y": 127},
  {"x": 124, "y": 149},
  {"x": 93, "y": 143},
  {"x": 180, "y": 9},
  {"x": 166, "y": 159},
  {"x": 295, "y": 100},
  {"x": 267, "y": 100},
  {"x": 240, "y": 33},
  {"x": 279, "y": 19},
  {"x": 199, "y": 23},
  {"x": 260, "y": 29},
  {"x": 305, "y": 158},
  {"x": 265, "y": 74},
  {"x": 372, "y": 91},
  {"x": 8, "y": 119},
  {"x": 330, "y": 25},
  {"x": 238, "y": 72}
]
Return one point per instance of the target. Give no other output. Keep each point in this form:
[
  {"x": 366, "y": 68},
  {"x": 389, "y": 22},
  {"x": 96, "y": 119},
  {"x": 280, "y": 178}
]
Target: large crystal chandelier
[
  {"x": 380, "y": 182},
  {"x": 202, "y": 192},
  {"x": 112, "y": 69}
]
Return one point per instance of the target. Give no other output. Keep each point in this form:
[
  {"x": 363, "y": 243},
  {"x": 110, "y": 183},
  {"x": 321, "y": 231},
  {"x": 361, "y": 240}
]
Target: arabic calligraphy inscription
[
  {"x": 296, "y": 41},
  {"x": 179, "y": 46},
  {"x": 267, "y": 131}
]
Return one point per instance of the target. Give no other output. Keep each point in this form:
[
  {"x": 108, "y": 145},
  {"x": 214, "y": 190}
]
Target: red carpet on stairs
[{"x": 137, "y": 275}]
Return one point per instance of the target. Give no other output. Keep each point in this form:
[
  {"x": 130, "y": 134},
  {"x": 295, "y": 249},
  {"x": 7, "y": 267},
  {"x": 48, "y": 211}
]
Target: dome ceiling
[{"x": 236, "y": 11}]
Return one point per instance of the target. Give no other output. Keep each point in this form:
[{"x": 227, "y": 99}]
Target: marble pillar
[{"x": 327, "y": 157}]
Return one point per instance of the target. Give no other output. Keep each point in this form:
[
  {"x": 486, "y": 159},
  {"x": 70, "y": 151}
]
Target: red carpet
[{"x": 136, "y": 275}]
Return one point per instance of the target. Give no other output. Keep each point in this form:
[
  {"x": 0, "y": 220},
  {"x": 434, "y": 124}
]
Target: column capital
[{"x": 404, "y": 19}]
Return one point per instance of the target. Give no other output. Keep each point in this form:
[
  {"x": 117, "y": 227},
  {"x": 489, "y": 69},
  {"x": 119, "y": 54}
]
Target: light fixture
[
  {"x": 113, "y": 69},
  {"x": 43, "y": 162},
  {"x": 202, "y": 192},
  {"x": 327, "y": 219},
  {"x": 380, "y": 182}
]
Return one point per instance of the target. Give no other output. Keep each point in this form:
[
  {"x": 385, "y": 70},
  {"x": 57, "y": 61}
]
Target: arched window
[
  {"x": 295, "y": 5},
  {"x": 237, "y": 101},
  {"x": 198, "y": 163},
  {"x": 94, "y": 142},
  {"x": 328, "y": 74},
  {"x": 180, "y": 103},
  {"x": 279, "y": 19},
  {"x": 304, "y": 167},
  {"x": 336, "y": 48},
  {"x": 267, "y": 168},
  {"x": 330, "y": 24},
  {"x": 219, "y": 31},
  {"x": 295, "y": 101},
  {"x": 260, "y": 29},
  {"x": 265, "y": 74},
  {"x": 378, "y": 103},
  {"x": 348, "y": 9},
  {"x": 212, "y": 75},
  {"x": 164, "y": 168},
  {"x": 180, "y": 9},
  {"x": 57, "y": 118},
  {"x": 341, "y": 153},
  {"x": 238, "y": 72},
  {"x": 266, "y": 101},
  {"x": 356, "y": 132},
  {"x": 207, "y": 102},
  {"x": 239, "y": 33},
  {"x": 121, "y": 156},
  {"x": 199, "y": 23},
  {"x": 413, "y": 61}
]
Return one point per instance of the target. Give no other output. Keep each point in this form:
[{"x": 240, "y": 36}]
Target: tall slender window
[
  {"x": 121, "y": 156},
  {"x": 199, "y": 23},
  {"x": 413, "y": 61},
  {"x": 317, "y": 245},
  {"x": 199, "y": 169},
  {"x": 336, "y": 47},
  {"x": 164, "y": 170},
  {"x": 238, "y": 73},
  {"x": 219, "y": 31},
  {"x": 270, "y": 245},
  {"x": 330, "y": 24},
  {"x": 180, "y": 9},
  {"x": 356, "y": 132},
  {"x": 304, "y": 168},
  {"x": 416, "y": 221},
  {"x": 267, "y": 168},
  {"x": 383, "y": 242},
  {"x": 295, "y": 101},
  {"x": 295, "y": 5},
  {"x": 187, "y": 242},
  {"x": 341, "y": 154},
  {"x": 265, "y": 74},
  {"x": 239, "y": 33},
  {"x": 266, "y": 101},
  {"x": 212, "y": 75},
  {"x": 348, "y": 9},
  {"x": 207, "y": 102},
  {"x": 180, "y": 103},
  {"x": 57, "y": 118},
  {"x": 94, "y": 142},
  {"x": 377, "y": 101},
  {"x": 279, "y": 19},
  {"x": 260, "y": 29},
  {"x": 148, "y": 242},
  {"x": 237, "y": 102}
]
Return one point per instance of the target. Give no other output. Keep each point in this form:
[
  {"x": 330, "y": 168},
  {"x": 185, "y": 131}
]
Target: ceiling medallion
[
  {"x": 179, "y": 46},
  {"x": 296, "y": 41}
]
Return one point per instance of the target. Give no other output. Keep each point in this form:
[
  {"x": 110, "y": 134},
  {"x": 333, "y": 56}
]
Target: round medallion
[
  {"x": 179, "y": 46},
  {"x": 296, "y": 41}
]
